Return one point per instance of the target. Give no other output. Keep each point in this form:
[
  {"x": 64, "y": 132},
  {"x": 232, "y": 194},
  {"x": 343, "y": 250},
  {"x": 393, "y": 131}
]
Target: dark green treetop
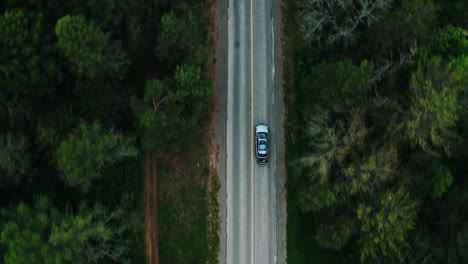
[
  {"x": 87, "y": 150},
  {"x": 88, "y": 49}
]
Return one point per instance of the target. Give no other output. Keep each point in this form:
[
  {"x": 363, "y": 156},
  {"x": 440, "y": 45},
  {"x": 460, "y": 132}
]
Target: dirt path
[
  {"x": 150, "y": 162},
  {"x": 151, "y": 209}
]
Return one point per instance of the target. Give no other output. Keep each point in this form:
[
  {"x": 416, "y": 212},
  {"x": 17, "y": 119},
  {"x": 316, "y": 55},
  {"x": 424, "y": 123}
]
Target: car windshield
[{"x": 262, "y": 135}]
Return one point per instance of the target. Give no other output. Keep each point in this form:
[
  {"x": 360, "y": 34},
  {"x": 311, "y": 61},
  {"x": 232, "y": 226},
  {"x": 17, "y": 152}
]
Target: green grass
[{"x": 187, "y": 210}]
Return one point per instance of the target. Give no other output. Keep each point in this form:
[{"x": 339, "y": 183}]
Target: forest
[
  {"x": 86, "y": 88},
  {"x": 377, "y": 131}
]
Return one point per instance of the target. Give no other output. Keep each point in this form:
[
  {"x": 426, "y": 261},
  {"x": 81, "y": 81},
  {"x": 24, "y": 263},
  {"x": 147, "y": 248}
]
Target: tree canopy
[
  {"x": 25, "y": 53},
  {"x": 88, "y": 49},
  {"x": 343, "y": 85},
  {"x": 434, "y": 108},
  {"x": 15, "y": 160},
  {"x": 171, "y": 108},
  {"x": 42, "y": 234},
  {"x": 82, "y": 156},
  {"x": 68, "y": 71},
  {"x": 377, "y": 130},
  {"x": 331, "y": 21},
  {"x": 384, "y": 227}
]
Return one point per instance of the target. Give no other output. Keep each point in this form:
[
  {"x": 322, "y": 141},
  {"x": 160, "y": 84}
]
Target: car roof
[{"x": 261, "y": 129}]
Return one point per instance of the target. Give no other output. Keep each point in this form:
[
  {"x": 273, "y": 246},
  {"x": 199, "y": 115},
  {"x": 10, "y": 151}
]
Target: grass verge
[{"x": 188, "y": 207}]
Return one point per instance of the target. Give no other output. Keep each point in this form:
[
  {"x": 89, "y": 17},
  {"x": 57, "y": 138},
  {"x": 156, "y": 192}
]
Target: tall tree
[
  {"x": 25, "y": 61},
  {"x": 43, "y": 234},
  {"x": 369, "y": 175},
  {"x": 86, "y": 151},
  {"x": 439, "y": 179},
  {"x": 335, "y": 229},
  {"x": 173, "y": 40},
  {"x": 179, "y": 42},
  {"x": 384, "y": 227},
  {"x": 343, "y": 85},
  {"x": 462, "y": 242},
  {"x": 408, "y": 25},
  {"x": 173, "y": 107},
  {"x": 451, "y": 42},
  {"x": 330, "y": 143},
  {"x": 15, "y": 160},
  {"x": 330, "y": 21},
  {"x": 403, "y": 30},
  {"x": 122, "y": 18},
  {"x": 434, "y": 108},
  {"x": 88, "y": 49}
]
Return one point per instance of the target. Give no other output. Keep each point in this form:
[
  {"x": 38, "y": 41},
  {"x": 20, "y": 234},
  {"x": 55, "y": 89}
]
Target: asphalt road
[{"x": 251, "y": 190}]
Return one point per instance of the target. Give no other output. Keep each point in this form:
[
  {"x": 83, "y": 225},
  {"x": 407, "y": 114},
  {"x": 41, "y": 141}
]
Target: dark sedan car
[{"x": 262, "y": 139}]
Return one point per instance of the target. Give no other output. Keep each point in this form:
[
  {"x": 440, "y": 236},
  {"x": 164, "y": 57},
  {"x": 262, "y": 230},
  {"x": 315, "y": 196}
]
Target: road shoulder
[
  {"x": 221, "y": 116},
  {"x": 278, "y": 113}
]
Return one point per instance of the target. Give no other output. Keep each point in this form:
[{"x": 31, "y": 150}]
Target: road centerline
[{"x": 252, "y": 138}]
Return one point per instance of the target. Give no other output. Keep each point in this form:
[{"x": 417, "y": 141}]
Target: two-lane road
[{"x": 251, "y": 100}]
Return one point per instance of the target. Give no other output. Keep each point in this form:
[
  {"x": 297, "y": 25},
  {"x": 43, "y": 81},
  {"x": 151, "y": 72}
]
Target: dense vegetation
[
  {"x": 77, "y": 111},
  {"x": 377, "y": 131}
]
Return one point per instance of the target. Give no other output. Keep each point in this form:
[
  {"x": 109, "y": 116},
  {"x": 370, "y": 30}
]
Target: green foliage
[
  {"x": 22, "y": 235},
  {"x": 453, "y": 12},
  {"x": 122, "y": 18},
  {"x": 173, "y": 107},
  {"x": 173, "y": 40},
  {"x": 343, "y": 85},
  {"x": 415, "y": 139},
  {"x": 186, "y": 211},
  {"x": 336, "y": 233},
  {"x": 409, "y": 25},
  {"x": 48, "y": 134},
  {"x": 15, "y": 160},
  {"x": 385, "y": 226},
  {"x": 316, "y": 197},
  {"x": 462, "y": 241},
  {"x": 44, "y": 235},
  {"x": 434, "y": 109},
  {"x": 88, "y": 49},
  {"x": 83, "y": 155},
  {"x": 451, "y": 41},
  {"x": 438, "y": 180},
  {"x": 331, "y": 21},
  {"x": 74, "y": 235},
  {"x": 56, "y": 69},
  {"x": 368, "y": 174},
  {"x": 179, "y": 41},
  {"x": 330, "y": 143},
  {"x": 25, "y": 62}
]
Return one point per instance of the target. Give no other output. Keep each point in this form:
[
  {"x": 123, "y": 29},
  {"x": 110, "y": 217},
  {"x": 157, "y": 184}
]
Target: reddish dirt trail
[
  {"x": 148, "y": 218},
  {"x": 154, "y": 210},
  {"x": 150, "y": 162},
  {"x": 151, "y": 209}
]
